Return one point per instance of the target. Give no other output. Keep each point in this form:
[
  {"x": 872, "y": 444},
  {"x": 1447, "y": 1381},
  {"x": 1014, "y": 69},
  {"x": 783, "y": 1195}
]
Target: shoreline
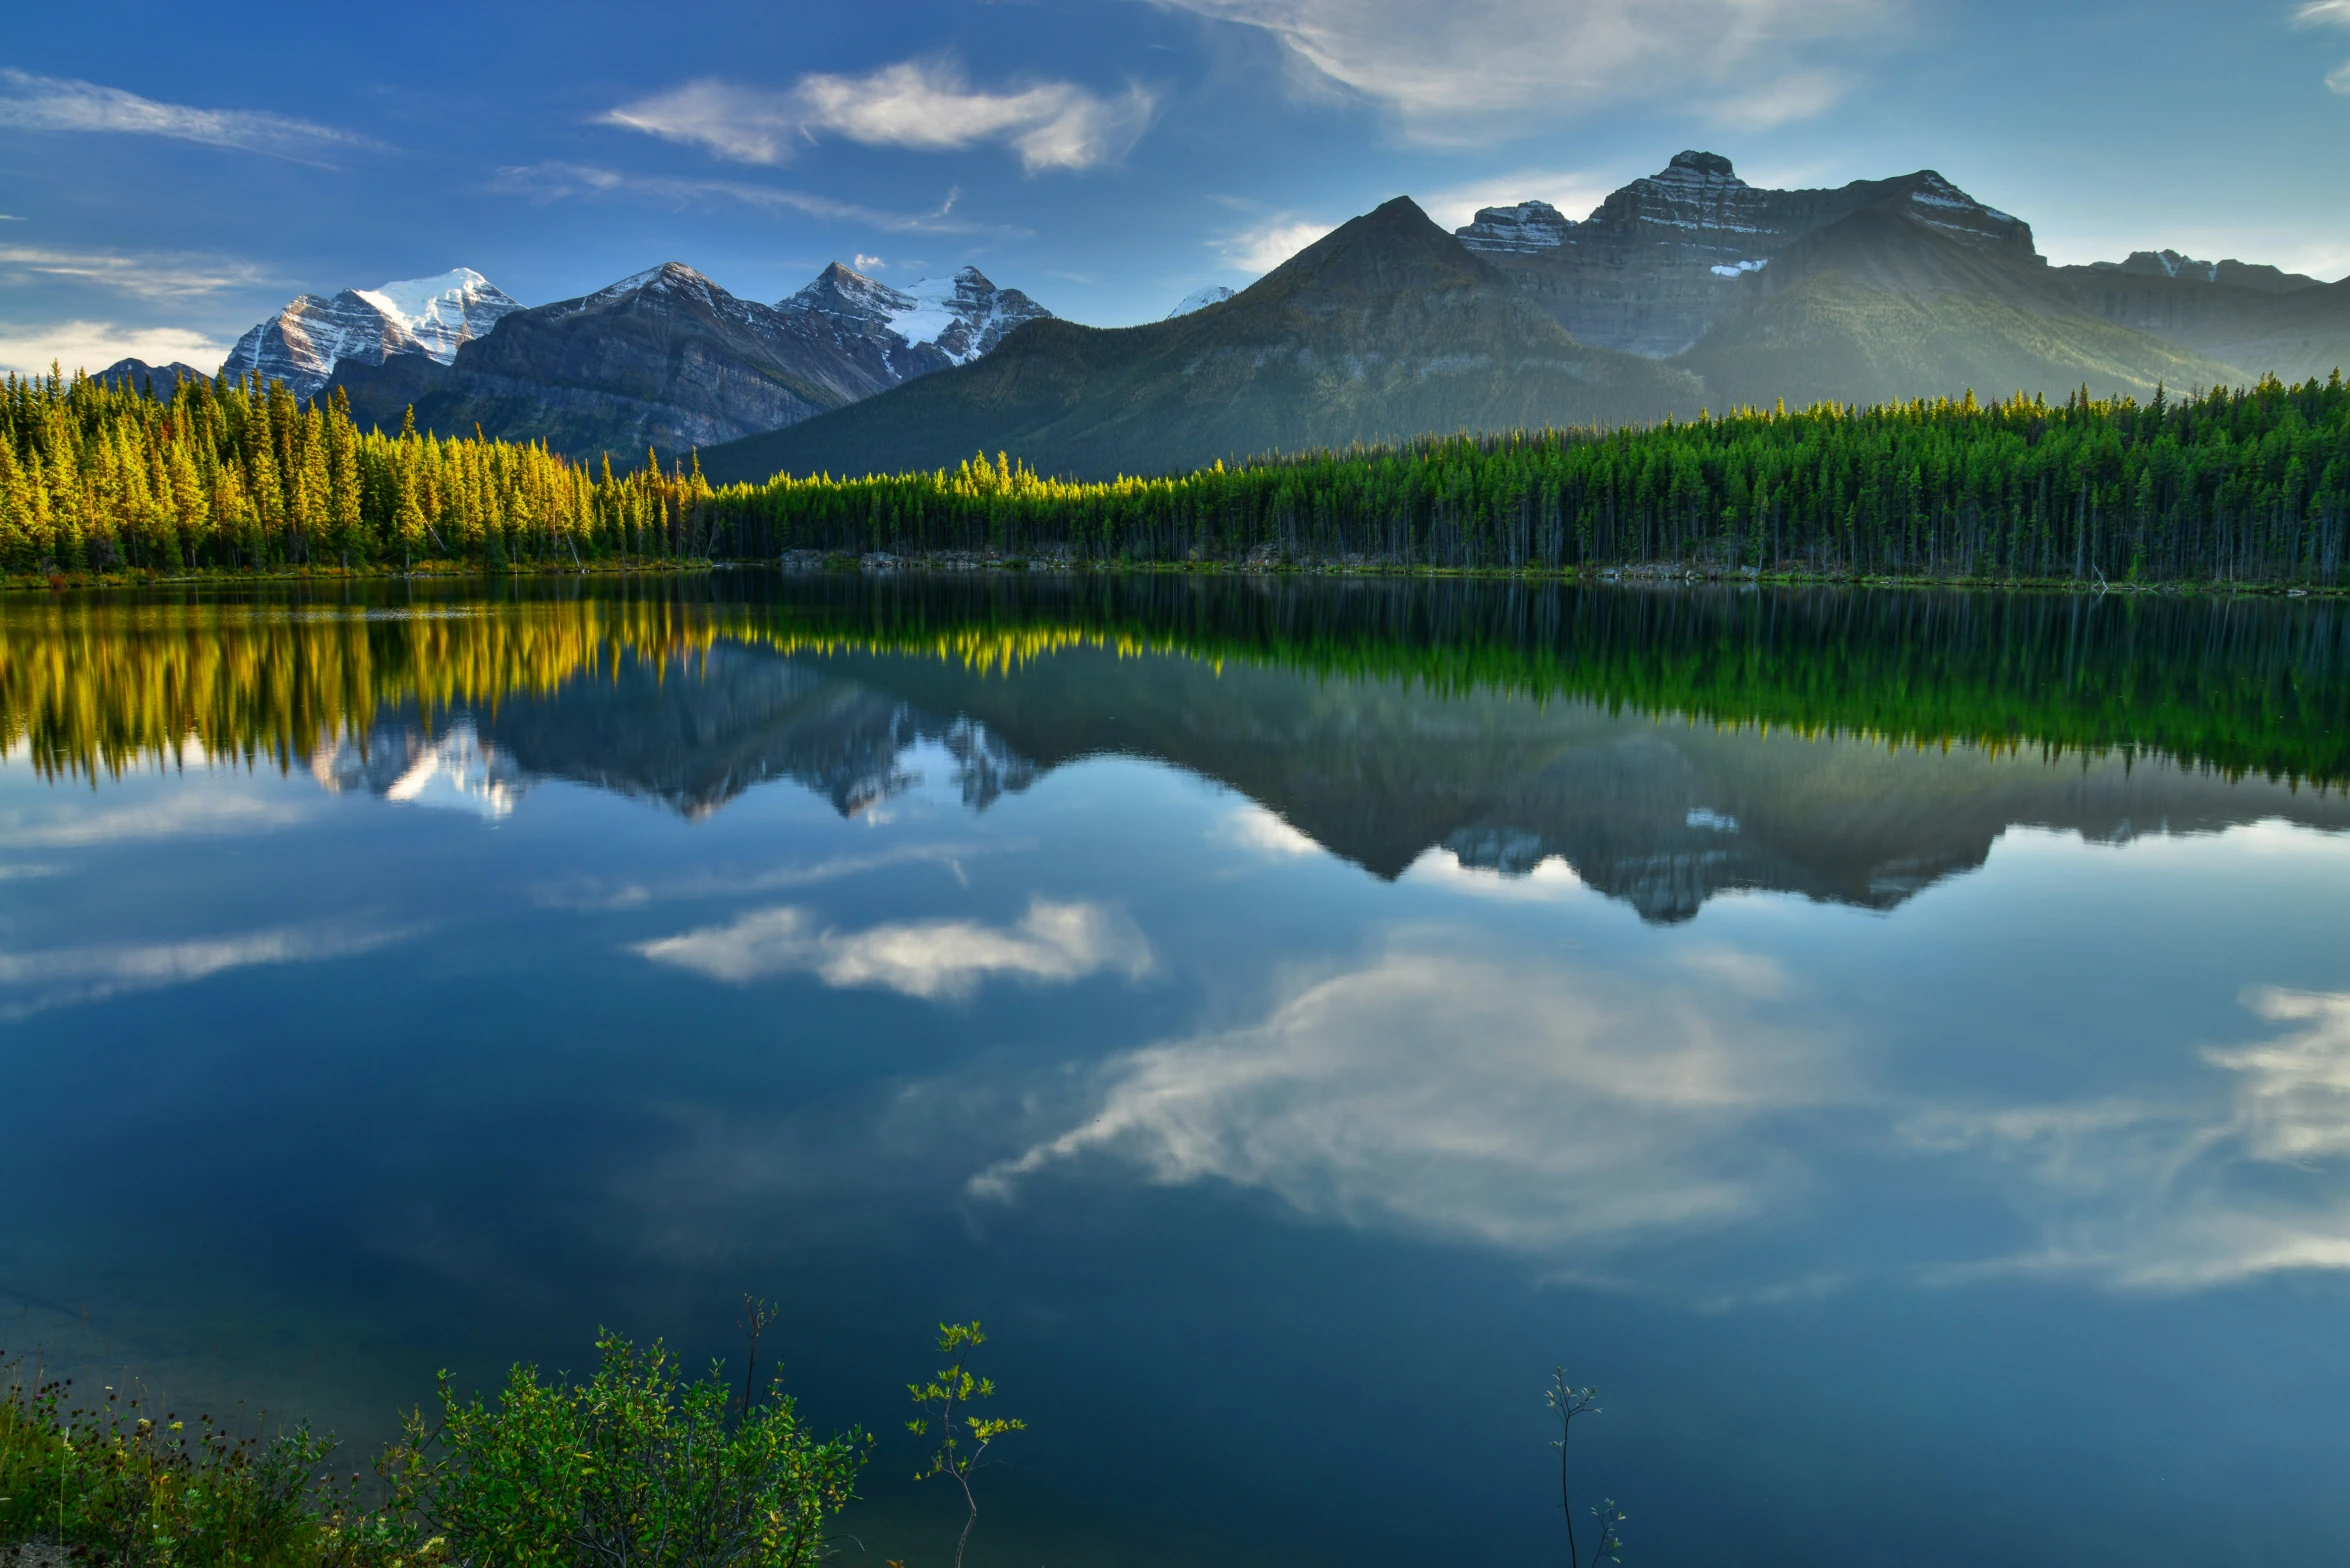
[{"x": 949, "y": 562}]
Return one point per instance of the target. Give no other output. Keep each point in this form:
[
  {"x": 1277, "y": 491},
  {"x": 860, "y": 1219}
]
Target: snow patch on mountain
[
  {"x": 1200, "y": 299},
  {"x": 1739, "y": 269}
]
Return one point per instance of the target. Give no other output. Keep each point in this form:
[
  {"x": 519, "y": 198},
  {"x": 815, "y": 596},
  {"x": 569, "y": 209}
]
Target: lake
[{"x": 1895, "y": 1045}]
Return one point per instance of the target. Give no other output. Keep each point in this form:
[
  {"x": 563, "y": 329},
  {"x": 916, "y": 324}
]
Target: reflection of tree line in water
[{"x": 91, "y": 687}]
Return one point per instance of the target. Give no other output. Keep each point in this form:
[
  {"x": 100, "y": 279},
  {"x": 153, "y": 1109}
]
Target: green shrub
[{"x": 631, "y": 1467}]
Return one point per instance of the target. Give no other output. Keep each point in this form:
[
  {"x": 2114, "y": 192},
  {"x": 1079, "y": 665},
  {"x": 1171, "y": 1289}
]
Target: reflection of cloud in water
[
  {"x": 184, "y": 813},
  {"x": 61, "y": 977},
  {"x": 589, "y": 893},
  {"x": 1555, "y": 1110},
  {"x": 933, "y": 959},
  {"x": 2250, "y": 1180},
  {"x": 1523, "y": 1107},
  {"x": 1550, "y": 877},
  {"x": 1256, "y": 829}
]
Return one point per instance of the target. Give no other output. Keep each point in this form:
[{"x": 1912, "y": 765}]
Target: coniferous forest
[{"x": 2247, "y": 488}]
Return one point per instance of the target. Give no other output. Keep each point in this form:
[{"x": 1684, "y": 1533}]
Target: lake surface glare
[{"x": 1896, "y": 1046}]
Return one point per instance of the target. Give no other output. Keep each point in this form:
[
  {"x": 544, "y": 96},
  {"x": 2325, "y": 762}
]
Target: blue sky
[{"x": 169, "y": 174}]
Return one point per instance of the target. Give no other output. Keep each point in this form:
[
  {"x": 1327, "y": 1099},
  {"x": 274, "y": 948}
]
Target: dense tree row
[
  {"x": 2249, "y": 487},
  {"x": 2242, "y": 487},
  {"x": 241, "y": 475}
]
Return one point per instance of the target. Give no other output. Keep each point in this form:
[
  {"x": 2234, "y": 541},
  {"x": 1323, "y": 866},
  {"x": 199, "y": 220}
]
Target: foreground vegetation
[
  {"x": 632, "y": 1466},
  {"x": 2241, "y": 488}
]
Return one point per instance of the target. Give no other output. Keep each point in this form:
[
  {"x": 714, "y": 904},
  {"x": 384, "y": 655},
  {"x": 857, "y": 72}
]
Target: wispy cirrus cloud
[
  {"x": 555, "y": 181},
  {"x": 2329, "y": 13},
  {"x": 924, "y": 105},
  {"x": 54, "y": 103},
  {"x": 146, "y": 275},
  {"x": 1476, "y": 70}
]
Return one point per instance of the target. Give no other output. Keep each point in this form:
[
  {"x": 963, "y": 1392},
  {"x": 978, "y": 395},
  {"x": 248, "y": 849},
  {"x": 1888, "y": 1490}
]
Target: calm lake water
[{"x": 1896, "y": 1046}]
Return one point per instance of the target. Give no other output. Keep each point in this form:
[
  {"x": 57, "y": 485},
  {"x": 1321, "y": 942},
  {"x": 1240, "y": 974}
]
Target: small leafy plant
[
  {"x": 960, "y": 1440},
  {"x": 1566, "y": 1402}
]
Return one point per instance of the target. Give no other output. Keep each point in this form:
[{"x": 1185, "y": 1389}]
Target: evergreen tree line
[
  {"x": 2233, "y": 486},
  {"x": 99, "y": 477},
  {"x": 2249, "y": 487}
]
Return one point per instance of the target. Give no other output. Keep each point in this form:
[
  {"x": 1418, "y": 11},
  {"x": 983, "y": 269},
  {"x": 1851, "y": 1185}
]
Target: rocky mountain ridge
[{"x": 1657, "y": 264}]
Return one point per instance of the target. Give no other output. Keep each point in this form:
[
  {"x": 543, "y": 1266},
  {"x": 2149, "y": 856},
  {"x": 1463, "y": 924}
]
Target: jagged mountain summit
[
  {"x": 1199, "y": 299},
  {"x": 303, "y": 344},
  {"x": 1658, "y": 263},
  {"x": 1381, "y": 330},
  {"x": 956, "y": 319}
]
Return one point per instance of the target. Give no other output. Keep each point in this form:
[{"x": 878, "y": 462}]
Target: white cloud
[
  {"x": 927, "y": 105},
  {"x": 554, "y": 181},
  {"x": 1475, "y": 70},
  {"x": 931, "y": 959},
  {"x": 49, "y": 103},
  {"x": 145, "y": 276},
  {"x": 93, "y": 345},
  {"x": 60, "y": 977},
  {"x": 1528, "y": 1107},
  {"x": 1270, "y": 243},
  {"x": 1574, "y": 192},
  {"x": 2330, "y": 13}
]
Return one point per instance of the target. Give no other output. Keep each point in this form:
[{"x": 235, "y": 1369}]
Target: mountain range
[
  {"x": 667, "y": 359},
  {"x": 1685, "y": 290}
]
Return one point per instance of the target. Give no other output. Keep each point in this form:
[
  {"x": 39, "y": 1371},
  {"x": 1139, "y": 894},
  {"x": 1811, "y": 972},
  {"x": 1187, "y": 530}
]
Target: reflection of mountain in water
[
  {"x": 1660, "y": 813},
  {"x": 688, "y": 733}
]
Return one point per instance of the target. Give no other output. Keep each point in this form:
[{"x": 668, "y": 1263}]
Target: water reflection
[
  {"x": 1822, "y": 1016},
  {"x": 1666, "y": 748}
]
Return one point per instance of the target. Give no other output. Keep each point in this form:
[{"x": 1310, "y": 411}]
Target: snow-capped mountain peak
[
  {"x": 1200, "y": 299},
  {"x": 962, "y": 317},
  {"x": 302, "y": 344},
  {"x": 444, "y": 311}
]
